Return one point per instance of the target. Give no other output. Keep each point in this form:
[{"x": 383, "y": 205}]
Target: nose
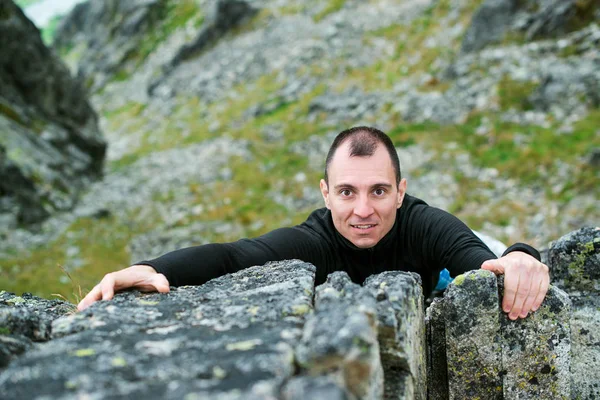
[{"x": 363, "y": 208}]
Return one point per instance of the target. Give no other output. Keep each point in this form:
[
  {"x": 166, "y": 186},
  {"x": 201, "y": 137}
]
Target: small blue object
[{"x": 444, "y": 280}]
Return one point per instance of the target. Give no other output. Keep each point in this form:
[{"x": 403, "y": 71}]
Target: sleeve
[
  {"x": 199, "y": 264},
  {"x": 525, "y": 248},
  {"x": 446, "y": 242}
]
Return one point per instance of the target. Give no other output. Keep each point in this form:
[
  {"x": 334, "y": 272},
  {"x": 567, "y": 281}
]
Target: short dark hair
[{"x": 364, "y": 141}]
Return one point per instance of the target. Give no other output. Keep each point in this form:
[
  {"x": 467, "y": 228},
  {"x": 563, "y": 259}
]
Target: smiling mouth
[{"x": 364, "y": 226}]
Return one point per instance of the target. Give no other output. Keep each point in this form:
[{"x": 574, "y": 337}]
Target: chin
[{"x": 364, "y": 243}]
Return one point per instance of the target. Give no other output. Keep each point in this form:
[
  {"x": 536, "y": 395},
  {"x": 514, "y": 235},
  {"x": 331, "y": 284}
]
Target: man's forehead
[
  {"x": 343, "y": 152},
  {"x": 377, "y": 164}
]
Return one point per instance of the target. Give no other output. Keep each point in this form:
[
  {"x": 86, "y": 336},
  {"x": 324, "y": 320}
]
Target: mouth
[{"x": 363, "y": 227}]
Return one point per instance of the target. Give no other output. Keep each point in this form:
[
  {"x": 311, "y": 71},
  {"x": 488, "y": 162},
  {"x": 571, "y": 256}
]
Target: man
[{"x": 369, "y": 225}]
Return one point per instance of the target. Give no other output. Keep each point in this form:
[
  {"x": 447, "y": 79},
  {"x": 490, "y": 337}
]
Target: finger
[
  {"x": 522, "y": 293},
  {"x": 542, "y": 293},
  {"x": 108, "y": 287},
  {"x": 511, "y": 283},
  {"x": 493, "y": 265},
  {"x": 534, "y": 289},
  {"x": 156, "y": 282},
  {"x": 161, "y": 283},
  {"x": 94, "y": 295}
]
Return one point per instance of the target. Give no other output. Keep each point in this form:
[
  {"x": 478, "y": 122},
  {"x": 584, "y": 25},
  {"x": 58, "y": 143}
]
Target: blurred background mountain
[{"x": 149, "y": 125}]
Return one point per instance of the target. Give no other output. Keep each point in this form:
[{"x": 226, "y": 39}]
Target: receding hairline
[
  {"x": 364, "y": 141},
  {"x": 351, "y": 142}
]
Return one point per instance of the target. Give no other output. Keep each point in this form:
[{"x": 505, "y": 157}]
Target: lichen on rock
[
  {"x": 339, "y": 341},
  {"x": 473, "y": 345}
]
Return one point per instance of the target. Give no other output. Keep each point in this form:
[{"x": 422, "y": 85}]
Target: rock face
[
  {"x": 224, "y": 16},
  {"x": 24, "y": 320},
  {"x": 401, "y": 333},
  {"x": 473, "y": 337},
  {"x": 339, "y": 342},
  {"x": 50, "y": 146},
  {"x": 491, "y": 357},
  {"x": 107, "y": 34},
  {"x": 574, "y": 262},
  {"x": 232, "y": 338},
  {"x": 267, "y": 332},
  {"x": 533, "y": 18},
  {"x": 114, "y": 38}
]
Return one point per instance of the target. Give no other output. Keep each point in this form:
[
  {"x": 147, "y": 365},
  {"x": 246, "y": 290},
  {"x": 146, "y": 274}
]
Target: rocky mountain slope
[
  {"x": 218, "y": 115},
  {"x": 50, "y": 144}
]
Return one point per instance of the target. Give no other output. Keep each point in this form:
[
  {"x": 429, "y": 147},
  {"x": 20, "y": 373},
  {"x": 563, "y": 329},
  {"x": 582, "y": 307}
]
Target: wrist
[
  {"x": 142, "y": 268},
  {"x": 525, "y": 248}
]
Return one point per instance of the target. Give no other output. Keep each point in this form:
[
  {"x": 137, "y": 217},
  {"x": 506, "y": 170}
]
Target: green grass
[
  {"x": 331, "y": 7},
  {"x": 516, "y": 94},
  {"x": 411, "y": 54},
  {"x": 532, "y": 164},
  {"x": 499, "y": 148},
  {"x": 178, "y": 13},
  {"x": 103, "y": 246}
]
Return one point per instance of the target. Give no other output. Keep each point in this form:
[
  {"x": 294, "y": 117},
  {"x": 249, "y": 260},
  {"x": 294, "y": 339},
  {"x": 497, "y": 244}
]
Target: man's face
[{"x": 362, "y": 195}]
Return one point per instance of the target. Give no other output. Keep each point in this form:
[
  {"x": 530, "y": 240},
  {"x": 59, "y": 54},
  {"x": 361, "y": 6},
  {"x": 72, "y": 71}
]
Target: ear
[
  {"x": 324, "y": 192},
  {"x": 401, "y": 192}
]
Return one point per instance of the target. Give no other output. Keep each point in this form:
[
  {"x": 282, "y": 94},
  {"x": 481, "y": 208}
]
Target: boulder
[
  {"x": 401, "y": 333},
  {"x": 265, "y": 332},
  {"x": 339, "y": 341},
  {"x": 489, "y": 24},
  {"x": 26, "y": 319},
  {"x": 490, "y": 356},
  {"x": 534, "y": 19},
  {"x": 231, "y": 338},
  {"x": 473, "y": 347},
  {"x": 574, "y": 262},
  {"x": 536, "y": 351}
]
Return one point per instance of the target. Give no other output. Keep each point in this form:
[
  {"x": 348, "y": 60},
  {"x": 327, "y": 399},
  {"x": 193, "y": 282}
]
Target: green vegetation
[
  {"x": 532, "y": 163},
  {"x": 49, "y": 30},
  {"x": 118, "y": 362},
  {"x": 10, "y": 113},
  {"x": 175, "y": 15},
  {"x": 26, "y": 3},
  {"x": 331, "y": 7},
  {"x": 459, "y": 280},
  {"x": 103, "y": 245},
  {"x": 516, "y": 94},
  {"x": 412, "y": 54},
  {"x": 585, "y": 13}
]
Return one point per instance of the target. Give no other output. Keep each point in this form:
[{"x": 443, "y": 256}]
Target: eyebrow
[{"x": 349, "y": 186}]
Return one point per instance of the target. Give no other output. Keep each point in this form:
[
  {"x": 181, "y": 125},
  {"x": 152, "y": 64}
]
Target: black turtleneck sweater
[{"x": 423, "y": 239}]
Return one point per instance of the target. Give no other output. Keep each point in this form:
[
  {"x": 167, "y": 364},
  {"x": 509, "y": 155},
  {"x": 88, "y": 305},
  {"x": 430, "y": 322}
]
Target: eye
[
  {"x": 345, "y": 192},
  {"x": 379, "y": 192}
]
